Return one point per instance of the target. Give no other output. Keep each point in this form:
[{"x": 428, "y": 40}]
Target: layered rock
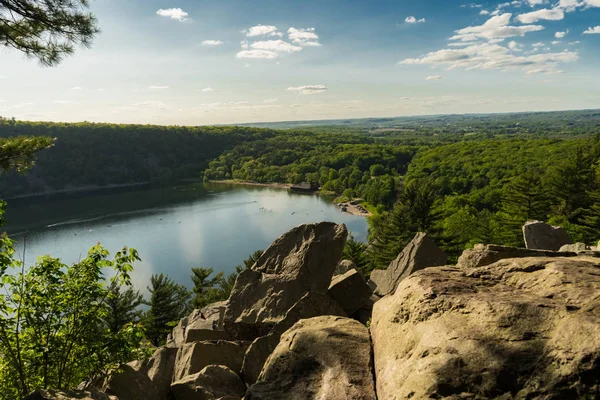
[
  {"x": 319, "y": 358},
  {"x": 193, "y": 357},
  {"x": 213, "y": 382},
  {"x": 420, "y": 253},
  {"x": 541, "y": 236},
  {"x": 302, "y": 260},
  {"x": 518, "y": 328},
  {"x": 486, "y": 254},
  {"x": 204, "y": 324}
]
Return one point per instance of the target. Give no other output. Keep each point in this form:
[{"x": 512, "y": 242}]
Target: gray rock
[
  {"x": 204, "y": 324},
  {"x": 160, "y": 369},
  {"x": 576, "y": 247},
  {"x": 486, "y": 254},
  {"x": 378, "y": 281},
  {"x": 214, "y": 381},
  {"x": 300, "y": 261},
  {"x": 48, "y": 394},
  {"x": 420, "y": 253},
  {"x": 319, "y": 358},
  {"x": 193, "y": 357},
  {"x": 309, "y": 306},
  {"x": 131, "y": 382},
  {"x": 350, "y": 290},
  {"x": 541, "y": 236},
  {"x": 343, "y": 267},
  {"x": 517, "y": 329}
]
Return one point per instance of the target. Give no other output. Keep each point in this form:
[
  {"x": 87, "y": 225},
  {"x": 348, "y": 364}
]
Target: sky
[{"x": 199, "y": 62}]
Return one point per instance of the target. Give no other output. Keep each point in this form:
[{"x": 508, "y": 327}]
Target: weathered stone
[
  {"x": 366, "y": 310},
  {"x": 160, "y": 369},
  {"x": 576, "y": 247},
  {"x": 214, "y": 381},
  {"x": 420, "y": 253},
  {"x": 343, "y": 267},
  {"x": 319, "y": 358},
  {"x": 350, "y": 290},
  {"x": 300, "y": 261},
  {"x": 519, "y": 328},
  {"x": 204, "y": 324},
  {"x": 541, "y": 236},
  {"x": 486, "y": 254},
  {"x": 193, "y": 357},
  {"x": 68, "y": 395},
  {"x": 203, "y": 329},
  {"x": 378, "y": 281},
  {"x": 309, "y": 306},
  {"x": 215, "y": 312},
  {"x": 131, "y": 382}
]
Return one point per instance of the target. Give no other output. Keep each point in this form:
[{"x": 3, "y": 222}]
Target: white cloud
[
  {"x": 573, "y": 43},
  {"x": 270, "y": 100},
  {"x": 276, "y": 46},
  {"x": 514, "y": 46},
  {"x": 263, "y": 30},
  {"x": 313, "y": 89},
  {"x": 303, "y": 36},
  {"x": 534, "y": 3},
  {"x": 76, "y": 88},
  {"x": 257, "y": 54},
  {"x": 435, "y": 78},
  {"x": 555, "y": 14},
  {"x": 414, "y": 20},
  {"x": 592, "y": 31},
  {"x": 555, "y": 42},
  {"x": 173, "y": 13},
  {"x": 150, "y": 103},
  {"x": 212, "y": 43},
  {"x": 484, "y": 12},
  {"x": 494, "y": 28},
  {"x": 560, "y": 35},
  {"x": 208, "y": 89},
  {"x": 155, "y": 87},
  {"x": 64, "y": 102},
  {"x": 538, "y": 44}
]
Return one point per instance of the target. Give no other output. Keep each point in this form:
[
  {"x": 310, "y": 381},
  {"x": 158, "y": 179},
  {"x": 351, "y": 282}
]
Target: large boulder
[
  {"x": 420, "y": 253},
  {"x": 343, "y": 267},
  {"x": 300, "y": 261},
  {"x": 204, "y": 324},
  {"x": 350, "y": 290},
  {"x": 519, "y": 328},
  {"x": 193, "y": 357},
  {"x": 131, "y": 382},
  {"x": 486, "y": 254},
  {"x": 213, "y": 382},
  {"x": 319, "y": 358},
  {"x": 48, "y": 394},
  {"x": 541, "y": 236},
  {"x": 309, "y": 306},
  {"x": 575, "y": 247},
  {"x": 160, "y": 369}
]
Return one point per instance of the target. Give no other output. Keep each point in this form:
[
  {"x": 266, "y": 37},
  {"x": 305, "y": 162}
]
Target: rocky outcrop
[
  {"x": 68, "y": 395},
  {"x": 302, "y": 260},
  {"x": 203, "y": 324},
  {"x": 350, "y": 290},
  {"x": 319, "y": 358},
  {"x": 486, "y": 254},
  {"x": 160, "y": 369},
  {"x": 575, "y": 247},
  {"x": 541, "y": 236},
  {"x": 343, "y": 267},
  {"x": 213, "y": 382},
  {"x": 518, "y": 328},
  {"x": 193, "y": 357},
  {"x": 309, "y": 306},
  {"x": 420, "y": 253},
  {"x": 131, "y": 382}
]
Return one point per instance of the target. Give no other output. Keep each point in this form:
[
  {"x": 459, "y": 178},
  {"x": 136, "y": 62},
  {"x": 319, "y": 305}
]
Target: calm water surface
[{"x": 173, "y": 229}]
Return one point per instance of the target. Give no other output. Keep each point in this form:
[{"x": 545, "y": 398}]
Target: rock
[
  {"x": 214, "y": 381},
  {"x": 343, "y": 267},
  {"x": 203, "y": 329},
  {"x": 486, "y": 254},
  {"x": 319, "y": 358},
  {"x": 575, "y": 248},
  {"x": 193, "y": 357},
  {"x": 68, "y": 395},
  {"x": 204, "y": 324},
  {"x": 363, "y": 315},
  {"x": 350, "y": 290},
  {"x": 420, "y": 253},
  {"x": 160, "y": 369},
  {"x": 309, "y": 306},
  {"x": 377, "y": 280},
  {"x": 131, "y": 382},
  {"x": 519, "y": 328},
  {"x": 300, "y": 261},
  {"x": 541, "y": 236}
]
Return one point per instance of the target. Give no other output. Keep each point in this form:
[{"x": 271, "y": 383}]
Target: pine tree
[
  {"x": 204, "y": 286},
  {"x": 356, "y": 252},
  {"x": 168, "y": 303},
  {"x": 123, "y": 307}
]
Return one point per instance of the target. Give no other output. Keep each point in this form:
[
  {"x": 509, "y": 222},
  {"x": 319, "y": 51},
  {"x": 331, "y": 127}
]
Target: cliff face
[{"x": 504, "y": 323}]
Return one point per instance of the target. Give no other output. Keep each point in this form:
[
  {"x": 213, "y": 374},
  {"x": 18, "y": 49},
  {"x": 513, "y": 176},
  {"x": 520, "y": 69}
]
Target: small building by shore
[{"x": 304, "y": 187}]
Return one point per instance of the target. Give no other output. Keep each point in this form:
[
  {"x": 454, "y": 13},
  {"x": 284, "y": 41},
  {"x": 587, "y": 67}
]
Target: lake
[{"x": 173, "y": 229}]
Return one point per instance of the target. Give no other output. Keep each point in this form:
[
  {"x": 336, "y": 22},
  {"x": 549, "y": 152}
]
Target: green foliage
[
  {"x": 46, "y": 29},
  {"x": 53, "y": 329},
  {"x": 356, "y": 252},
  {"x": 123, "y": 307},
  {"x": 17, "y": 153},
  {"x": 168, "y": 303}
]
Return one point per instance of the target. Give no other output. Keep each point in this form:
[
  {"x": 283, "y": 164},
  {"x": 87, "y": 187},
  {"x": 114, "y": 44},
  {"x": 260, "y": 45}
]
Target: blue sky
[{"x": 195, "y": 62}]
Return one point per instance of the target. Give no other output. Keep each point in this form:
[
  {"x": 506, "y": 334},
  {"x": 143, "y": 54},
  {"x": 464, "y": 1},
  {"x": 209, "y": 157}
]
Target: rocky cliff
[{"x": 505, "y": 323}]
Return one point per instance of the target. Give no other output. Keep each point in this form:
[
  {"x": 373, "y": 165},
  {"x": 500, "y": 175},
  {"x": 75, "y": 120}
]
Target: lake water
[{"x": 173, "y": 229}]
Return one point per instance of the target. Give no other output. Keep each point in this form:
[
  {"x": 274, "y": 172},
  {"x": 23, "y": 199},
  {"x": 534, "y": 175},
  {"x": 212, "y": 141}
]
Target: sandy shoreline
[{"x": 350, "y": 209}]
